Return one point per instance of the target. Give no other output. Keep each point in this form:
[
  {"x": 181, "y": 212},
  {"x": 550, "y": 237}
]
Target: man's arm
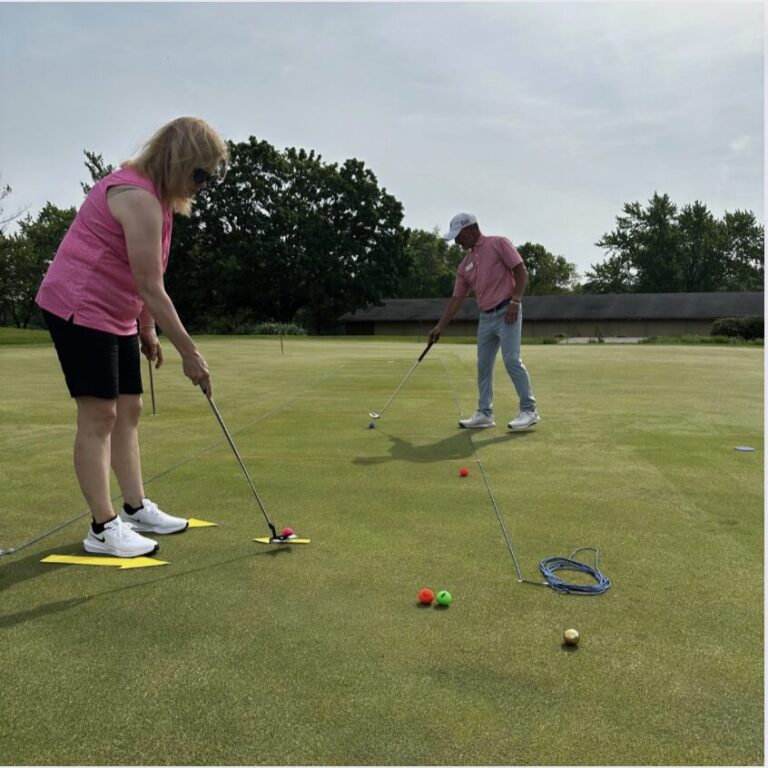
[{"x": 521, "y": 280}]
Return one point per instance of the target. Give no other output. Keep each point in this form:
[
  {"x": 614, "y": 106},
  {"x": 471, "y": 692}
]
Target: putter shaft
[
  {"x": 240, "y": 461},
  {"x": 377, "y": 414}
]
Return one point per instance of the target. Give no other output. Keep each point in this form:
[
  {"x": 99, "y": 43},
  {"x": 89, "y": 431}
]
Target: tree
[
  {"x": 432, "y": 264},
  {"x": 658, "y": 250},
  {"x": 744, "y": 251},
  {"x": 24, "y": 259},
  {"x": 700, "y": 257},
  {"x": 6, "y": 219},
  {"x": 97, "y": 168},
  {"x": 547, "y": 274},
  {"x": 285, "y": 236},
  {"x": 614, "y": 275},
  {"x": 645, "y": 241}
]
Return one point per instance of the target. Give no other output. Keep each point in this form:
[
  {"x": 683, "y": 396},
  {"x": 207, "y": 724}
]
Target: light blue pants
[{"x": 492, "y": 333}]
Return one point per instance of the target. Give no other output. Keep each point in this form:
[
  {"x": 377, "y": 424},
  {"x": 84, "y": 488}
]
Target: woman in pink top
[{"x": 105, "y": 280}]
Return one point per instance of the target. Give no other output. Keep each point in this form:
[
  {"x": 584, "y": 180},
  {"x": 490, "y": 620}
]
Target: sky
[{"x": 541, "y": 118}]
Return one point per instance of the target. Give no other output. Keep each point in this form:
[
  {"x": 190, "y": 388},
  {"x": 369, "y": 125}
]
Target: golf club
[
  {"x": 275, "y": 537},
  {"x": 374, "y": 414}
]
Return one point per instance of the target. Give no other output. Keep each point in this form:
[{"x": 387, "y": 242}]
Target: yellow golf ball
[{"x": 571, "y": 637}]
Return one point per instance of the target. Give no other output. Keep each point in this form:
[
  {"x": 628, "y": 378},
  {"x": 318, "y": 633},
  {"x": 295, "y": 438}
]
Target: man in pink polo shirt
[{"x": 494, "y": 270}]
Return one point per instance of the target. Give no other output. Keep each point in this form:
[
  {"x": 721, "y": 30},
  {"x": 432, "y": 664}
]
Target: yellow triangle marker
[
  {"x": 114, "y": 562},
  {"x": 200, "y": 523},
  {"x": 287, "y": 541}
]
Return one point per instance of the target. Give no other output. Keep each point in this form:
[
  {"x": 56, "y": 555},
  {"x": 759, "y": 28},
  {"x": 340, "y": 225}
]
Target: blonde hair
[{"x": 172, "y": 154}]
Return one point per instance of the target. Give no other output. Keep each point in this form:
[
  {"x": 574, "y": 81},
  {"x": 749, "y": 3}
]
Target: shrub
[
  {"x": 748, "y": 327},
  {"x": 753, "y": 327},
  {"x": 278, "y": 329},
  {"x": 241, "y": 323},
  {"x": 701, "y": 340}
]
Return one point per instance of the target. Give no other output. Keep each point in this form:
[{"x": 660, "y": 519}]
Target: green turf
[
  {"x": 15, "y": 336},
  {"x": 236, "y": 653}
]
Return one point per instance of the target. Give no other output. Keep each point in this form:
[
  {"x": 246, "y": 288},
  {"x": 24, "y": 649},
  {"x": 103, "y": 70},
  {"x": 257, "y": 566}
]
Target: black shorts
[{"x": 96, "y": 363}]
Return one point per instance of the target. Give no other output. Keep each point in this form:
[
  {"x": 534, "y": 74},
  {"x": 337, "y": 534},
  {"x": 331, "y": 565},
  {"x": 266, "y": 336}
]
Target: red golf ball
[
  {"x": 286, "y": 532},
  {"x": 426, "y": 596},
  {"x": 463, "y": 471}
]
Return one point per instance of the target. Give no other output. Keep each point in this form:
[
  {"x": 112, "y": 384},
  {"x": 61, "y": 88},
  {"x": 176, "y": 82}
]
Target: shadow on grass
[
  {"x": 458, "y": 446},
  {"x": 569, "y": 648},
  {"x": 39, "y": 611},
  {"x": 30, "y": 567},
  {"x": 15, "y": 571}
]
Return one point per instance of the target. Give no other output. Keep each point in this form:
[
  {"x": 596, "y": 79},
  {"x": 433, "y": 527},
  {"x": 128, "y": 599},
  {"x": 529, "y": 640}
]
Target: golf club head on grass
[{"x": 375, "y": 415}]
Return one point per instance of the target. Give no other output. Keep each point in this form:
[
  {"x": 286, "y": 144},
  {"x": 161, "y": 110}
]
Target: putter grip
[{"x": 424, "y": 353}]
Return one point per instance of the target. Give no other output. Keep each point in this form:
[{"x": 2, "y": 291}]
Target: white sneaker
[
  {"x": 478, "y": 421},
  {"x": 119, "y": 540},
  {"x": 524, "y": 419},
  {"x": 151, "y": 519}
]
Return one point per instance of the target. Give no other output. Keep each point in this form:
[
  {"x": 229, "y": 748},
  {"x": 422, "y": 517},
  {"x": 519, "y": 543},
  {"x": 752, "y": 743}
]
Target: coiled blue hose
[{"x": 549, "y": 565}]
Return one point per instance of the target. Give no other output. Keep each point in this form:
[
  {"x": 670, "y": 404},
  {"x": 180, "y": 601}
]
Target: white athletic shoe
[
  {"x": 151, "y": 519},
  {"x": 524, "y": 419},
  {"x": 119, "y": 540},
  {"x": 478, "y": 421}
]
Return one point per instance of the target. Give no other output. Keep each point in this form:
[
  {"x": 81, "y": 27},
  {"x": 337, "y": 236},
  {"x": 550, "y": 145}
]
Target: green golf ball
[{"x": 444, "y": 597}]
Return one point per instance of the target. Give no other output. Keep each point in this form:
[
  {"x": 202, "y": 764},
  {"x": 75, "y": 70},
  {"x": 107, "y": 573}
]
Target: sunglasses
[{"x": 201, "y": 176}]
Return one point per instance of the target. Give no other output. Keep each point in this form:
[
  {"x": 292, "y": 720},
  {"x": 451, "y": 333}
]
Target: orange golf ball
[{"x": 426, "y": 596}]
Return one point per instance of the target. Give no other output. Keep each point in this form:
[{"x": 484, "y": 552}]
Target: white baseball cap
[{"x": 458, "y": 222}]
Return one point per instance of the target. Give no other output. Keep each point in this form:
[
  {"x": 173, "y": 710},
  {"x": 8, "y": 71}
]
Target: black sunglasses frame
[{"x": 201, "y": 176}]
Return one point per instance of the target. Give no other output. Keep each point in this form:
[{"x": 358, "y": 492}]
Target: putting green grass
[{"x": 242, "y": 654}]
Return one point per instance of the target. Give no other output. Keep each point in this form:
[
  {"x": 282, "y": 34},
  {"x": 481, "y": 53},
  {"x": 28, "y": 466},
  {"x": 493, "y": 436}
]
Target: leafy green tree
[
  {"x": 432, "y": 264},
  {"x": 646, "y": 241},
  {"x": 97, "y": 168},
  {"x": 614, "y": 275},
  {"x": 744, "y": 252},
  {"x": 547, "y": 274},
  {"x": 658, "y": 250},
  {"x": 24, "y": 259},
  {"x": 700, "y": 258},
  {"x": 286, "y": 236}
]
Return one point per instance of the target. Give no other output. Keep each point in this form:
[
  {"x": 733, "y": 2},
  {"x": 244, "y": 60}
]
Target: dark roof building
[{"x": 612, "y": 314}]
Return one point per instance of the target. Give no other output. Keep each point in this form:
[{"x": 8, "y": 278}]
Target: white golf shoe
[
  {"x": 151, "y": 519},
  {"x": 478, "y": 421},
  {"x": 524, "y": 419},
  {"x": 119, "y": 540}
]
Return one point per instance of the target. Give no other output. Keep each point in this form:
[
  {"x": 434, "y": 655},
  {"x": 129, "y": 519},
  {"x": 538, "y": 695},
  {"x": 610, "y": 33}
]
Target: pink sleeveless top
[{"x": 90, "y": 279}]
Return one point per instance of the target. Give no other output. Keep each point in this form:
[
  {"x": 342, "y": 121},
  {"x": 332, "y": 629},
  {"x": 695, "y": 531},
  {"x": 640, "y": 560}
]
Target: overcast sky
[{"x": 541, "y": 118}]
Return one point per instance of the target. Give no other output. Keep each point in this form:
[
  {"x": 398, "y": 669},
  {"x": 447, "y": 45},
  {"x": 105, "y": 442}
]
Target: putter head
[
  {"x": 374, "y": 415},
  {"x": 282, "y": 538}
]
